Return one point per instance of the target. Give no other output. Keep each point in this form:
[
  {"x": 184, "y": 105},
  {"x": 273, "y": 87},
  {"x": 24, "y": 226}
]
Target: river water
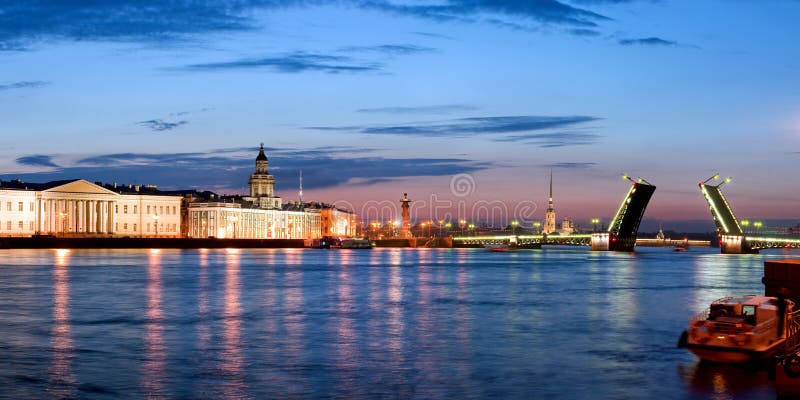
[{"x": 383, "y": 323}]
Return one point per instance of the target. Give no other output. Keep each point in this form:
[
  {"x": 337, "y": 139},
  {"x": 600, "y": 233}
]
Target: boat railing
[
  {"x": 793, "y": 332},
  {"x": 701, "y": 316}
]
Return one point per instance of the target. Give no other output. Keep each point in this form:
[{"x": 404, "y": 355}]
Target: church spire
[{"x": 301, "y": 186}]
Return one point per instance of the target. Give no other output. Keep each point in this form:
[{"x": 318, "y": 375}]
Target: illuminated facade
[
  {"x": 80, "y": 208},
  {"x": 262, "y": 215}
]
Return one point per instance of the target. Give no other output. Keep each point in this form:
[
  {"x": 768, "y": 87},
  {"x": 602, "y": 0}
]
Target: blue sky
[{"x": 375, "y": 98}]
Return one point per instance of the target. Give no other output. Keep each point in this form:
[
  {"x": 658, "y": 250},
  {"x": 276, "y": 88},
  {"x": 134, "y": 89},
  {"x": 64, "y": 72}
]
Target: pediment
[{"x": 81, "y": 186}]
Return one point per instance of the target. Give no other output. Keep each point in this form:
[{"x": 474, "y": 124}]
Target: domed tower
[{"x": 262, "y": 183}]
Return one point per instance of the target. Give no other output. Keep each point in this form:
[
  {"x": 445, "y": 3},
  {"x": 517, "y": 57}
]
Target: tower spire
[
  {"x": 551, "y": 188},
  {"x": 301, "y": 186}
]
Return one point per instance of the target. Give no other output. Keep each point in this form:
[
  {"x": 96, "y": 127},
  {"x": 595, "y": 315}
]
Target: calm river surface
[{"x": 383, "y": 323}]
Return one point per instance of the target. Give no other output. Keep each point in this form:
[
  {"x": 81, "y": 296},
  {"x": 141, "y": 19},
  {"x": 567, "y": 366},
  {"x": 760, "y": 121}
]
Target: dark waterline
[{"x": 385, "y": 323}]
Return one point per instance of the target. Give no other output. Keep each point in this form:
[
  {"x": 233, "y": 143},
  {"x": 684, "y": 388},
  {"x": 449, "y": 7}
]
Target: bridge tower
[
  {"x": 621, "y": 235},
  {"x": 731, "y": 236},
  {"x": 405, "y": 229}
]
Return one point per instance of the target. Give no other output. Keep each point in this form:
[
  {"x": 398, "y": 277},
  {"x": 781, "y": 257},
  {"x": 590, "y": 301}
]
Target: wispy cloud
[
  {"x": 23, "y": 85},
  {"x": 571, "y": 165},
  {"x": 434, "y": 35},
  {"x": 649, "y": 41},
  {"x": 37, "y": 160},
  {"x": 583, "y": 32},
  {"x": 292, "y": 63},
  {"x": 464, "y": 127},
  {"x": 552, "y": 139},
  {"x": 547, "y": 11},
  {"x": 159, "y": 125},
  {"x": 23, "y": 22},
  {"x": 230, "y": 168},
  {"x": 432, "y": 109},
  {"x": 389, "y": 49}
]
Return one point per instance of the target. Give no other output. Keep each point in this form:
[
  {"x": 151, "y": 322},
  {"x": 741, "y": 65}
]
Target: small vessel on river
[{"x": 741, "y": 329}]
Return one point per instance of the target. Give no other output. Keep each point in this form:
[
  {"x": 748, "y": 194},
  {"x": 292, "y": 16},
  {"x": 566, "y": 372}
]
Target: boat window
[{"x": 748, "y": 310}]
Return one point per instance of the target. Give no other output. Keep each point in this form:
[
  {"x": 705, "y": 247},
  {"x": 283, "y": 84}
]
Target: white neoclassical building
[
  {"x": 81, "y": 208},
  {"x": 262, "y": 215}
]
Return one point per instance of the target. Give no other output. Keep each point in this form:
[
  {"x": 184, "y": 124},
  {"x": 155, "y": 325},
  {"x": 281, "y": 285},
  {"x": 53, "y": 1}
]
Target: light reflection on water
[{"x": 364, "y": 324}]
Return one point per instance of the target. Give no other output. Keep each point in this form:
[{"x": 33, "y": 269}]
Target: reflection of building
[
  {"x": 82, "y": 209},
  {"x": 550, "y": 214},
  {"x": 263, "y": 216}
]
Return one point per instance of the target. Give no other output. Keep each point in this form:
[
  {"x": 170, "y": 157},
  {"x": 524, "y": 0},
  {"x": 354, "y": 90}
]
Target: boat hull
[{"x": 734, "y": 355}]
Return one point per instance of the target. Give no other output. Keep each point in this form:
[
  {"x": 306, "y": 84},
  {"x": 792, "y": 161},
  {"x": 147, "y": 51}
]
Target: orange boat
[{"x": 740, "y": 329}]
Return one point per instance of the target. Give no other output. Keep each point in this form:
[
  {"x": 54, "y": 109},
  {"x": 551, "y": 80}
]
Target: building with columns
[{"x": 80, "y": 208}]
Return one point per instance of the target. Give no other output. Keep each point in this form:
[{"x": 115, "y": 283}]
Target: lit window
[
  {"x": 174, "y": 210},
  {"x": 125, "y": 226},
  {"x": 31, "y": 206},
  {"x": 125, "y": 209},
  {"x": 135, "y": 209},
  {"x": 20, "y": 207},
  {"x": 8, "y": 224},
  {"x": 20, "y": 224},
  {"x": 116, "y": 208},
  {"x": 134, "y": 227}
]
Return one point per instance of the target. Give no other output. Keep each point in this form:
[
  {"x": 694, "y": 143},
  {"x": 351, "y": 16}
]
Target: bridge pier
[
  {"x": 735, "y": 244},
  {"x": 601, "y": 241}
]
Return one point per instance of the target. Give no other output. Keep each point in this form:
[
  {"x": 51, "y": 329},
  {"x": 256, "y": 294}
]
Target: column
[
  {"x": 110, "y": 212},
  {"x": 101, "y": 216},
  {"x": 90, "y": 215}
]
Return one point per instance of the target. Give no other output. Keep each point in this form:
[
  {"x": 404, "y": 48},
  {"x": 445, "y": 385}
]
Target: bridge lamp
[
  {"x": 63, "y": 216},
  {"x": 233, "y": 219},
  {"x": 536, "y": 225},
  {"x": 595, "y": 222},
  {"x": 715, "y": 177},
  {"x": 514, "y": 225}
]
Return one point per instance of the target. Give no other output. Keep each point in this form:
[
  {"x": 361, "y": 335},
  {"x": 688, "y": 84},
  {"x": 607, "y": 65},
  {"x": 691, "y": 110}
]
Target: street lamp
[
  {"x": 745, "y": 224},
  {"x": 471, "y": 227},
  {"x": 536, "y": 225},
  {"x": 63, "y": 216},
  {"x": 595, "y": 222},
  {"x": 233, "y": 219},
  {"x": 514, "y": 225},
  {"x": 441, "y": 223},
  {"x": 155, "y": 217},
  {"x": 462, "y": 223},
  {"x": 757, "y": 225}
]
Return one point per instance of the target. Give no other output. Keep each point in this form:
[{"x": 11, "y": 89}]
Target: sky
[{"x": 456, "y": 102}]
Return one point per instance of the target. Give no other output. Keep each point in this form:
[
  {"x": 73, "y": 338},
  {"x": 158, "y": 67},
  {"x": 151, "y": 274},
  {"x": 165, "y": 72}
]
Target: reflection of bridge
[
  {"x": 621, "y": 234},
  {"x": 732, "y": 239}
]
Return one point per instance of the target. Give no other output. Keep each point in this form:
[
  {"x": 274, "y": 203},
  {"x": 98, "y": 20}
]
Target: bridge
[
  {"x": 732, "y": 239},
  {"x": 620, "y": 236}
]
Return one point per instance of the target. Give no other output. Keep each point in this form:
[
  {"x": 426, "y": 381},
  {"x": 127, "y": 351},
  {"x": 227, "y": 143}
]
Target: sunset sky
[{"x": 375, "y": 98}]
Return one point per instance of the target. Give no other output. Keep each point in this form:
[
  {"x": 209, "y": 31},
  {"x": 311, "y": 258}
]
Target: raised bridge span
[
  {"x": 732, "y": 238},
  {"x": 620, "y": 236}
]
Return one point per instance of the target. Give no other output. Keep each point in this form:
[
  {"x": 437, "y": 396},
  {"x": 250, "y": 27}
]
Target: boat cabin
[{"x": 752, "y": 310}]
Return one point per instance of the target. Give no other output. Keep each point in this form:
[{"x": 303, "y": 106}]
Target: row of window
[
  {"x": 158, "y": 210},
  {"x": 162, "y": 228},
  {"x": 20, "y": 225},
  {"x": 20, "y": 206},
  {"x": 161, "y": 210}
]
